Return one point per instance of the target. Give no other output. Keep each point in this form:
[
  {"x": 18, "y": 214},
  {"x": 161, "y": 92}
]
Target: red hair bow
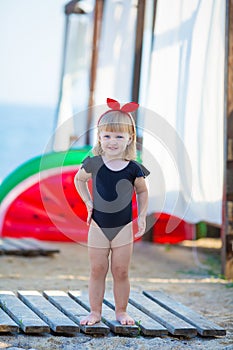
[
  {"x": 128, "y": 107},
  {"x": 115, "y": 106}
]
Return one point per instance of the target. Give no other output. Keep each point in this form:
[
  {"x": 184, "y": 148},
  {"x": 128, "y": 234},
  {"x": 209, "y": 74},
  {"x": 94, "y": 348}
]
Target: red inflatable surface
[
  {"x": 50, "y": 209},
  {"x": 171, "y": 229}
]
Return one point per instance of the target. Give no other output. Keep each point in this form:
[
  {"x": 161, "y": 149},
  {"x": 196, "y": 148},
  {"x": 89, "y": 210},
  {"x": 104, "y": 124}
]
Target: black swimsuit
[{"x": 112, "y": 193}]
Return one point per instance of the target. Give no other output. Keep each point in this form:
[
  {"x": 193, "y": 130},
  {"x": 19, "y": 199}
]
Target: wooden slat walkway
[
  {"x": 155, "y": 314},
  {"x": 6, "y": 323},
  {"x": 26, "y": 247},
  {"x": 147, "y": 325},
  {"x": 174, "y": 324},
  {"x": 108, "y": 316},
  {"x": 204, "y": 327},
  {"x": 56, "y": 320},
  {"x": 74, "y": 311},
  {"x": 25, "y": 318}
]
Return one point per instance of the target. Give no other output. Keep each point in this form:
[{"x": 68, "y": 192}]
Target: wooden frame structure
[
  {"x": 227, "y": 225},
  {"x": 99, "y": 6}
]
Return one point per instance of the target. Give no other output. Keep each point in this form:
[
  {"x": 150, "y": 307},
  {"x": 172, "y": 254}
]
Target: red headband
[{"x": 115, "y": 106}]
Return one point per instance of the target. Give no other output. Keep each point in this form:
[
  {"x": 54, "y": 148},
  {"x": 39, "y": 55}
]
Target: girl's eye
[
  {"x": 120, "y": 137},
  {"x": 106, "y": 136}
]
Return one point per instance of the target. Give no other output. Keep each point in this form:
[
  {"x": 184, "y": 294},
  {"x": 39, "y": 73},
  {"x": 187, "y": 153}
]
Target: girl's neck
[
  {"x": 112, "y": 158},
  {"x": 115, "y": 163}
]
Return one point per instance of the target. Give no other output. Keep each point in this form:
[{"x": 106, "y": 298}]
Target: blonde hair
[{"x": 117, "y": 121}]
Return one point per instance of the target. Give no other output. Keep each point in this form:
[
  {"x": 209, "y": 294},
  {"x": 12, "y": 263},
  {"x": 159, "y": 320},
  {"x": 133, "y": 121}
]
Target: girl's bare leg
[
  {"x": 120, "y": 261},
  {"x": 99, "y": 264}
]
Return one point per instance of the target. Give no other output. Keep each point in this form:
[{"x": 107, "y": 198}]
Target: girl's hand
[
  {"x": 141, "y": 227},
  {"x": 89, "y": 206}
]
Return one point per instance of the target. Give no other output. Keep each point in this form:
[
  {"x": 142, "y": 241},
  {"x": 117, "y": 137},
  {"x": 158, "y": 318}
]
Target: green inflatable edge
[{"x": 41, "y": 163}]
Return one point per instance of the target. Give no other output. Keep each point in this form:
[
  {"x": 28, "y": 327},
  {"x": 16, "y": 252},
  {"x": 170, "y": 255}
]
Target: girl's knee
[
  {"x": 99, "y": 271},
  {"x": 120, "y": 272}
]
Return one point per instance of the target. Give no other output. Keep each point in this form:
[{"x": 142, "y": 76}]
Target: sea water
[{"x": 25, "y": 132}]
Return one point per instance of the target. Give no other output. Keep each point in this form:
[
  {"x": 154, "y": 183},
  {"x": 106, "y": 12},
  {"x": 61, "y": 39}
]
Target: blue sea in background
[{"x": 25, "y": 133}]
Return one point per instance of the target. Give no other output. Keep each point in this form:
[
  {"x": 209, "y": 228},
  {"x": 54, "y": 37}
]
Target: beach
[{"x": 189, "y": 274}]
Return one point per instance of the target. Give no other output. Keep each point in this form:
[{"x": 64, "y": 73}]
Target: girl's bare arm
[
  {"x": 142, "y": 202},
  {"x": 80, "y": 181}
]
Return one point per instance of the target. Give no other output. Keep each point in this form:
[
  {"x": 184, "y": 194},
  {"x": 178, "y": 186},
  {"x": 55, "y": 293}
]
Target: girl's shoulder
[
  {"x": 140, "y": 169},
  {"x": 90, "y": 164}
]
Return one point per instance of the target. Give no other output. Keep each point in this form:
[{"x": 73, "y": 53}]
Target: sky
[{"x": 31, "y": 39}]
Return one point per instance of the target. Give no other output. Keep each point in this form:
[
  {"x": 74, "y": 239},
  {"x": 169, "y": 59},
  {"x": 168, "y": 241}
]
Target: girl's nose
[{"x": 113, "y": 141}]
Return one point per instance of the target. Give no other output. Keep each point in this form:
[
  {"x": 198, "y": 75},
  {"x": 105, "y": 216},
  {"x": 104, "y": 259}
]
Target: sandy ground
[{"x": 190, "y": 275}]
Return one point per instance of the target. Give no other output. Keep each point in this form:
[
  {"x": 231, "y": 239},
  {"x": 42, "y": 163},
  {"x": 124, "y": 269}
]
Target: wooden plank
[
  {"x": 230, "y": 180},
  {"x": 44, "y": 248},
  {"x": 56, "y": 320},
  {"x": 138, "y": 48},
  {"x": 226, "y": 227},
  {"x": 203, "y": 326},
  {"x": 6, "y": 323},
  {"x": 147, "y": 325},
  {"x": 108, "y": 316},
  {"x": 25, "y": 318},
  {"x": 74, "y": 311},
  {"x": 8, "y": 248},
  {"x": 230, "y": 211},
  {"x": 23, "y": 247},
  {"x": 174, "y": 325}
]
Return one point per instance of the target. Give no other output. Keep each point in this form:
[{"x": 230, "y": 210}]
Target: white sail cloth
[{"x": 183, "y": 140}]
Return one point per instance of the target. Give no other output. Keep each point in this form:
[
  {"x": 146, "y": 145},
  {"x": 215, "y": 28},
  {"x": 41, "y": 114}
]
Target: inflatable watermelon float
[{"x": 39, "y": 199}]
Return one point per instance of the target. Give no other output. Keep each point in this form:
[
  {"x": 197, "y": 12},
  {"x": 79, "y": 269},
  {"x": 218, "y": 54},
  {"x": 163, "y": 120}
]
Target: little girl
[{"x": 115, "y": 176}]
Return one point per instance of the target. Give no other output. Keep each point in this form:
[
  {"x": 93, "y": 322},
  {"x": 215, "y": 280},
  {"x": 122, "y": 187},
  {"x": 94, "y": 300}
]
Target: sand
[{"x": 188, "y": 274}]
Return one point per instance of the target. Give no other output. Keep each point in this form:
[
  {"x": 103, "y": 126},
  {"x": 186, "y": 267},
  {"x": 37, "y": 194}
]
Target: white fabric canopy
[
  {"x": 116, "y": 56},
  {"x": 183, "y": 119},
  {"x": 181, "y": 98}
]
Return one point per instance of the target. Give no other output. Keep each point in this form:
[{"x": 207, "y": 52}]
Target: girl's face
[{"x": 114, "y": 143}]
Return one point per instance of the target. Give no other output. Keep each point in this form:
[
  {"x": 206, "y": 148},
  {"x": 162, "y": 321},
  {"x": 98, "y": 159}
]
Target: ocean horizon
[{"x": 25, "y": 133}]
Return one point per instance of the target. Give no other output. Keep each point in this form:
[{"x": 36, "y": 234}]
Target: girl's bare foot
[
  {"x": 124, "y": 318},
  {"x": 92, "y": 318}
]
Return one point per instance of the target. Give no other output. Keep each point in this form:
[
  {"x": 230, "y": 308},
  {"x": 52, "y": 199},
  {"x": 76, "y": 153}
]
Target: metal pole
[
  {"x": 94, "y": 62},
  {"x": 142, "y": 8},
  {"x": 224, "y": 227},
  {"x": 138, "y": 49}
]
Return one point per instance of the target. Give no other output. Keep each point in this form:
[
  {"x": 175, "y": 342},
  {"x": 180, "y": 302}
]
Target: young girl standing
[{"x": 115, "y": 176}]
